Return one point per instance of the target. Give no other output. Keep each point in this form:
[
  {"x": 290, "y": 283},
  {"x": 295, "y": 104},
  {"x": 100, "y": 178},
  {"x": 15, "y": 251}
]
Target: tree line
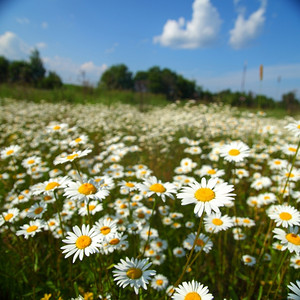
[
  {"x": 155, "y": 80},
  {"x": 31, "y": 73}
]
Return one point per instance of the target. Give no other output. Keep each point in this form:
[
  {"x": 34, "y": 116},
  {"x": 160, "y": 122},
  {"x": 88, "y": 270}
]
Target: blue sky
[{"x": 209, "y": 41}]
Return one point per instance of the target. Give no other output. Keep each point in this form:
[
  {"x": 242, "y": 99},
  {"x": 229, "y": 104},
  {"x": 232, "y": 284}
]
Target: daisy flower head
[
  {"x": 285, "y": 215},
  {"x": 80, "y": 242},
  {"x": 37, "y": 210},
  {"x": 10, "y": 151},
  {"x": 133, "y": 272},
  {"x": 31, "y": 161},
  {"x": 64, "y": 158},
  {"x": 106, "y": 227},
  {"x": 202, "y": 243},
  {"x": 235, "y": 151},
  {"x": 29, "y": 230},
  {"x": 93, "y": 207},
  {"x": 9, "y": 216},
  {"x": 49, "y": 186},
  {"x": 295, "y": 288},
  {"x": 295, "y": 261},
  {"x": 192, "y": 290},
  {"x": 207, "y": 196},
  {"x": 152, "y": 186},
  {"x": 159, "y": 282},
  {"x": 81, "y": 140},
  {"x": 294, "y": 127},
  {"x": 57, "y": 127},
  {"x": 248, "y": 260},
  {"x": 90, "y": 190},
  {"x": 289, "y": 240},
  {"x": 215, "y": 222}
]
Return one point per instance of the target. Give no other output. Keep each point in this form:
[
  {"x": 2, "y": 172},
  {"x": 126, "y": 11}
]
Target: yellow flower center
[
  {"x": 57, "y": 127},
  {"x": 9, "y": 152},
  {"x": 289, "y": 175},
  {"x": 277, "y": 162},
  {"x": 129, "y": 184},
  {"x": 211, "y": 172},
  {"x": 141, "y": 215},
  {"x": 105, "y": 230},
  {"x": 298, "y": 126},
  {"x": 200, "y": 243},
  {"x": 78, "y": 140},
  {"x": 159, "y": 282},
  {"x": 248, "y": 259},
  {"x": 204, "y": 194},
  {"x": 134, "y": 273},
  {"x": 247, "y": 221},
  {"x": 234, "y": 152},
  {"x": 38, "y": 210},
  {"x": 217, "y": 222},
  {"x": 87, "y": 189},
  {"x": 285, "y": 216},
  {"x": 72, "y": 156},
  {"x": 8, "y": 217},
  {"x": 192, "y": 296},
  {"x": 157, "y": 188},
  {"x": 51, "y": 185},
  {"x": 297, "y": 262},
  {"x": 292, "y": 149},
  {"x": 114, "y": 241},
  {"x": 31, "y": 228},
  {"x": 83, "y": 242},
  {"x": 91, "y": 207},
  {"x": 30, "y": 161},
  {"x": 293, "y": 238}
]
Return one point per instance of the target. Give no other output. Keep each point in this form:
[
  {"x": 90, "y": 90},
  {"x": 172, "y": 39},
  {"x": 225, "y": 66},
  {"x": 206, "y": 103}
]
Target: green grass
[{"x": 78, "y": 94}]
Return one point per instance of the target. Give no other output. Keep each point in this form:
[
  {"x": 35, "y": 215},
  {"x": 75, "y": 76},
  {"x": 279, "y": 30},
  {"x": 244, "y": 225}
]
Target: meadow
[{"x": 180, "y": 201}]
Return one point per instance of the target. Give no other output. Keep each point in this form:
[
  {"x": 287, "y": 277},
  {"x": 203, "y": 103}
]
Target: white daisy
[
  {"x": 192, "y": 290},
  {"x": 207, "y": 195},
  {"x": 9, "y": 216},
  {"x": 133, "y": 272},
  {"x": 85, "y": 191},
  {"x": 248, "y": 260},
  {"x": 289, "y": 240},
  {"x": 178, "y": 252},
  {"x": 82, "y": 139},
  {"x": 159, "y": 282},
  {"x": 106, "y": 227},
  {"x": 295, "y": 288},
  {"x": 31, "y": 229},
  {"x": 285, "y": 215},
  {"x": 295, "y": 261},
  {"x": 153, "y": 186},
  {"x": 49, "y": 186},
  {"x": 37, "y": 210},
  {"x": 84, "y": 241},
  {"x": 63, "y": 158},
  {"x": 93, "y": 207},
  {"x": 215, "y": 222},
  {"x": 294, "y": 127},
  {"x": 203, "y": 242},
  {"x": 10, "y": 151},
  {"x": 235, "y": 151}
]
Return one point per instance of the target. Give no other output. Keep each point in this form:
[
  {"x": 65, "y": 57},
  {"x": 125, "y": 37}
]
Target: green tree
[
  {"x": 4, "y": 69},
  {"x": 117, "y": 77},
  {"x": 20, "y": 72},
  {"x": 37, "y": 67},
  {"x": 51, "y": 81}
]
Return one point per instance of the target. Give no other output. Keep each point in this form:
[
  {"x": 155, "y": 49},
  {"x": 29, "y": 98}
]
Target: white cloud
[
  {"x": 246, "y": 30},
  {"x": 201, "y": 31},
  {"x": 44, "y": 25},
  {"x": 41, "y": 45},
  {"x": 112, "y": 49},
  {"x": 12, "y": 47},
  {"x": 22, "y": 21},
  {"x": 71, "y": 72}
]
